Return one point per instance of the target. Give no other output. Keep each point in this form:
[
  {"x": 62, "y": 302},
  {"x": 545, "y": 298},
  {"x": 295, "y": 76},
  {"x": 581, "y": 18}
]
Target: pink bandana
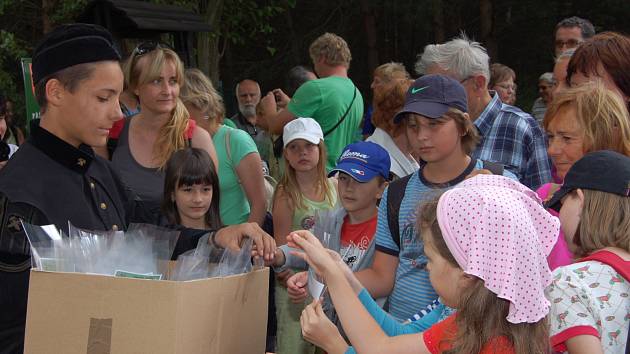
[{"x": 498, "y": 231}]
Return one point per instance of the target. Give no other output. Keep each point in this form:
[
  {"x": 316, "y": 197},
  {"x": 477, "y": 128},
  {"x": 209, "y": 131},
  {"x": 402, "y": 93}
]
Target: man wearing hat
[{"x": 55, "y": 177}]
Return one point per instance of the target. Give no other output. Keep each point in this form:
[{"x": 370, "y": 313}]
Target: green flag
[{"x": 32, "y": 108}]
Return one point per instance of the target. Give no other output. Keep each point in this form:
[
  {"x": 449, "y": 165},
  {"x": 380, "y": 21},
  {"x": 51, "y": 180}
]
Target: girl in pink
[{"x": 487, "y": 241}]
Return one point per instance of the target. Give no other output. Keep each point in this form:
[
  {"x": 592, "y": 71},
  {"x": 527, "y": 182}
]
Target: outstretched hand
[
  {"x": 296, "y": 287},
  {"x": 314, "y": 253},
  {"x": 232, "y": 237}
]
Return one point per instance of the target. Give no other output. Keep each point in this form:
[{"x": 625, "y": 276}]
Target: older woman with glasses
[
  {"x": 502, "y": 80},
  {"x": 140, "y": 145}
]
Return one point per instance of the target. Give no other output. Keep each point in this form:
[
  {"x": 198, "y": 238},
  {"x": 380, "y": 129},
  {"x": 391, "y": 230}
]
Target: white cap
[{"x": 302, "y": 128}]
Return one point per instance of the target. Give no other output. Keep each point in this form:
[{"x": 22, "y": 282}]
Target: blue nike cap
[{"x": 431, "y": 96}]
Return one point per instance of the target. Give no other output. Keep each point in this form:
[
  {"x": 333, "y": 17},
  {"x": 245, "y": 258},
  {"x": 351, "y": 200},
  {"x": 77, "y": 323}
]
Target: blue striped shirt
[
  {"x": 514, "y": 139},
  {"x": 412, "y": 288}
]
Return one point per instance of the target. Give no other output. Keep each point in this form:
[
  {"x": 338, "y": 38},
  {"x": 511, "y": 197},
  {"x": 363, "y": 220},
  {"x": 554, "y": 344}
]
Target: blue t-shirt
[{"x": 412, "y": 288}]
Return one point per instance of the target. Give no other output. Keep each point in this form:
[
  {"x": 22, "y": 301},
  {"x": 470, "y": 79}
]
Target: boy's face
[
  {"x": 355, "y": 195},
  {"x": 90, "y": 111},
  {"x": 433, "y": 139}
]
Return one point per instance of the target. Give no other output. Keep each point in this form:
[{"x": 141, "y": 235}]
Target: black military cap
[
  {"x": 604, "y": 170},
  {"x": 70, "y": 45}
]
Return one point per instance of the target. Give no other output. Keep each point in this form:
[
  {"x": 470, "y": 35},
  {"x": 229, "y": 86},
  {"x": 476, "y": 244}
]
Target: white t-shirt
[
  {"x": 590, "y": 298},
  {"x": 402, "y": 164}
]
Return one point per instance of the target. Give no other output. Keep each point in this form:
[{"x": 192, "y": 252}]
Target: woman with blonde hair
[
  {"x": 580, "y": 120},
  {"x": 241, "y": 180},
  {"x": 140, "y": 146}
]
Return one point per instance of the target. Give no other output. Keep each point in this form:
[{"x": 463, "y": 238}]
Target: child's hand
[
  {"x": 314, "y": 253},
  {"x": 317, "y": 329},
  {"x": 283, "y": 276},
  {"x": 278, "y": 259},
  {"x": 232, "y": 236},
  {"x": 296, "y": 287}
]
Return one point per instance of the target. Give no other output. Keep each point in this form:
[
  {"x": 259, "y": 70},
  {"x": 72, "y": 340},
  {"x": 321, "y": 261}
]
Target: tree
[{"x": 234, "y": 22}]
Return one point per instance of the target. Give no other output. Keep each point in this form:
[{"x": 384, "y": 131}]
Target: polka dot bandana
[{"x": 498, "y": 231}]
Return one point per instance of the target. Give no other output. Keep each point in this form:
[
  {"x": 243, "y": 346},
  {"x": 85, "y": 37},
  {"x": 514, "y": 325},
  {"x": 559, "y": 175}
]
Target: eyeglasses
[
  {"x": 149, "y": 46},
  {"x": 569, "y": 43},
  {"x": 506, "y": 87}
]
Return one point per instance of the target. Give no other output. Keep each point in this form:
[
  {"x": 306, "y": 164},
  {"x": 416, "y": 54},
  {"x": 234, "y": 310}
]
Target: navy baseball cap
[
  {"x": 604, "y": 170},
  {"x": 363, "y": 161},
  {"x": 432, "y": 95}
]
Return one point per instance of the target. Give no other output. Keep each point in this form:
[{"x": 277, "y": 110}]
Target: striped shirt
[
  {"x": 412, "y": 288},
  {"x": 514, "y": 139}
]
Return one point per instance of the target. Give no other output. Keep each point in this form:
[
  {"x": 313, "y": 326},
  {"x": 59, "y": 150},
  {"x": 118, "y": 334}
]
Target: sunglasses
[{"x": 149, "y": 46}]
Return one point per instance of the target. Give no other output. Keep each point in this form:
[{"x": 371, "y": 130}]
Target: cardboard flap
[{"x": 69, "y": 313}]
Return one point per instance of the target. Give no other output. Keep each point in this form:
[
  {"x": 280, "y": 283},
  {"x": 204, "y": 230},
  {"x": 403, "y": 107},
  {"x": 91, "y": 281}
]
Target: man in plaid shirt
[{"x": 509, "y": 136}]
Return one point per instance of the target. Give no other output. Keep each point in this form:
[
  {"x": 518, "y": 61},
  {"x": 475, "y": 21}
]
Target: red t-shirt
[
  {"x": 439, "y": 338},
  {"x": 356, "y": 239}
]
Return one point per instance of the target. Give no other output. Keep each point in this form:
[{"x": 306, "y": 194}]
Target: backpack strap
[
  {"x": 494, "y": 167},
  {"x": 612, "y": 260},
  {"x": 619, "y": 265},
  {"x": 344, "y": 115},
  {"x": 395, "y": 194},
  {"x": 228, "y": 152}
]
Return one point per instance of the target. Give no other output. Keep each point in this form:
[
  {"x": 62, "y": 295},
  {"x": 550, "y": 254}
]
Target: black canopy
[{"x": 139, "y": 19}]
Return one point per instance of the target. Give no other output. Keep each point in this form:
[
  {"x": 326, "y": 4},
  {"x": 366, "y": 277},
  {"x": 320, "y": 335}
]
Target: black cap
[
  {"x": 432, "y": 95},
  {"x": 604, "y": 170},
  {"x": 70, "y": 45}
]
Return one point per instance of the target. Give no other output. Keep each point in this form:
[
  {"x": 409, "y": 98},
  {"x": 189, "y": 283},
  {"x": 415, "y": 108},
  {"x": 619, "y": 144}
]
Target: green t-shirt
[
  {"x": 234, "y": 207},
  {"x": 229, "y": 123},
  {"x": 326, "y": 100},
  {"x": 304, "y": 219}
]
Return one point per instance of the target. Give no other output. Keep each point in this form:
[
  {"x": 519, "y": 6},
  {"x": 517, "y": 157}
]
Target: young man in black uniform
[{"x": 55, "y": 177}]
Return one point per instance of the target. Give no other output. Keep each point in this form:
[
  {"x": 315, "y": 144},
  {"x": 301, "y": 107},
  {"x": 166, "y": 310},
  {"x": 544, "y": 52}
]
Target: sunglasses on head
[{"x": 149, "y": 46}]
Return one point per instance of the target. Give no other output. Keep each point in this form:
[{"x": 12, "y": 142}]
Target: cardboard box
[{"x": 73, "y": 313}]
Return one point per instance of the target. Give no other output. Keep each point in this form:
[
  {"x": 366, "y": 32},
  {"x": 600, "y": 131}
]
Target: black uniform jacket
[{"x": 49, "y": 181}]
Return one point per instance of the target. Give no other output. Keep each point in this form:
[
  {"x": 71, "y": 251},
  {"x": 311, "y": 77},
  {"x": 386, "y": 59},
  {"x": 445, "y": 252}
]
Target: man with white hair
[
  {"x": 248, "y": 96},
  {"x": 509, "y": 136}
]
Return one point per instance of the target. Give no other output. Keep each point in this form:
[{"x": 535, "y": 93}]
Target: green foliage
[
  {"x": 11, "y": 50},
  {"x": 65, "y": 11},
  {"x": 243, "y": 20}
]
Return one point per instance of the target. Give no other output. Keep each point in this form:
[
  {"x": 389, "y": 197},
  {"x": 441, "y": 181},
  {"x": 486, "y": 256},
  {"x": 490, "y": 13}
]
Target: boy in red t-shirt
[{"x": 362, "y": 173}]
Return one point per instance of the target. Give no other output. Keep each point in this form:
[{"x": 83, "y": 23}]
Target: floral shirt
[{"x": 591, "y": 297}]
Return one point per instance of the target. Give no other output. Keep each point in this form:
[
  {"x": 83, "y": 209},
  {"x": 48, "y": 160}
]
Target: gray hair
[
  {"x": 586, "y": 27},
  {"x": 567, "y": 54},
  {"x": 239, "y": 84},
  {"x": 547, "y": 77},
  {"x": 461, "y": 57}
]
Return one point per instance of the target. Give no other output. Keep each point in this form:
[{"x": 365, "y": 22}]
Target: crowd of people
[{"x": 443, "y": 220}]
